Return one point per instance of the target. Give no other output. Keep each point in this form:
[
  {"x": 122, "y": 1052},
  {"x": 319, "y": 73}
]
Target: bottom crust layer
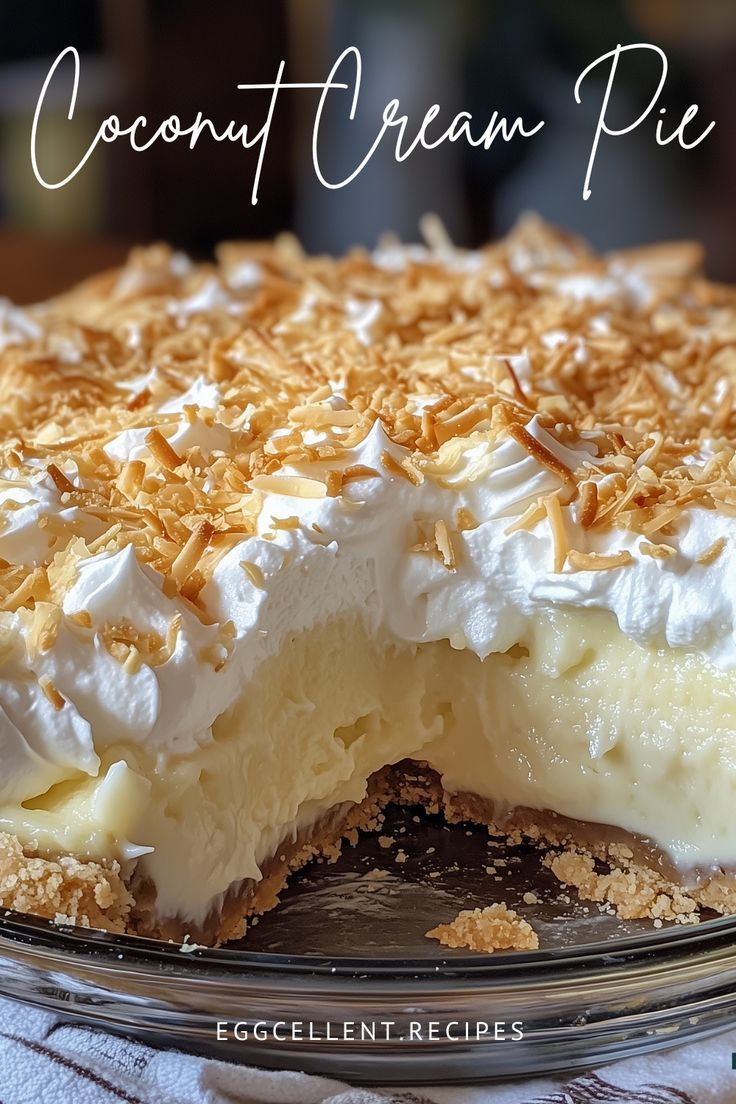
[{"x": 603, "y": 864}]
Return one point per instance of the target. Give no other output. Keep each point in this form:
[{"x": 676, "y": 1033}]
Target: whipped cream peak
[
  {"x": 361, "y": 316},
  {"x": 154, "y": 677},
  {"x": 202, "y": 393},
  {"x": 207, "y": 435},
  {"x": 210, "y": 295},
  {"x": 395, "y": 256},
  {"x": 16, "y": 325},
  {"x": 100, "y": 582},
  {"x": 28, "y": 501},
  {"x": 246, "y": 274}
]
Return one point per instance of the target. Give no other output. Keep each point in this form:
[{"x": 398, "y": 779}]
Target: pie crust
[{"x": 602, "y": 864}]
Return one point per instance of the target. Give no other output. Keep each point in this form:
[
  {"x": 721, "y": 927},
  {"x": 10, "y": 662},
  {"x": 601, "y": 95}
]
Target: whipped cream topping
[
  {"x": 166, "y": 707},
  {"x": 16, "y": 326},
  {"x": 500, "y": 581},
  {"x": 27, "y": 502},
  {"x": 345, "y": 555}
]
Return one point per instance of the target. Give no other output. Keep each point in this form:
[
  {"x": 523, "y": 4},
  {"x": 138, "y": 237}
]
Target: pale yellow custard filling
[{"x": 576, "y": 719}]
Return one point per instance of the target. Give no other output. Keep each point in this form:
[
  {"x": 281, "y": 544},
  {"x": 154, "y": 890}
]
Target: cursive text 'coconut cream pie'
[{"x": 283, "y": 539}]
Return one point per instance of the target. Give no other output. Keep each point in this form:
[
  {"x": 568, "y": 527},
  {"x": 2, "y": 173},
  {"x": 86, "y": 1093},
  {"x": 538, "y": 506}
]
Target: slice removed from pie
[{"x": 284, "y": 539}]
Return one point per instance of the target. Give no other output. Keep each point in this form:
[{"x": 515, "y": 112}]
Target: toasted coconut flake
[
  {"x": 133, "y": 661},
  {"x": 588, "y": 504},
  {"x": 295, "y": 486},
  {"x": 465, "y": 520},
  {"x": 192, "y": 585},
  {"x": 44, "y": 628},
  {"x": 598, "y": 561},
  {"x": 427, "y": 441},
  {"x": 105, "y": 539},
  {"x": 214, "y": 655},
  {"x": 172, "y": 634},
  {"x": 122, "y": 638},
  {"x": 462, "y": 423},
  {"x": 533, "y": 514},
  {"x": 359, "y": 471},
  {"x": 33, "y": 585},
  {"x": 192, "y": 551},
  {"x": 444, "y": 544},
  {"x": 254, "y": 573},
  {"x": 518, "y": 389},
  {"x": 416, "y": 475},
  {"x": 291, "y": 522},
  {"x": 131, "y": 478},
  {"x": 162, "y": 451},
  {"x": 140, "y": 400},
  {"x": 523, "y": 437},
  {"x": 553, "y": 510},
  {"x": 81, "y": 618},
  {"x": 317, "y": 416},
  {"x": 118, "y": 651},
  {"x": 434, "y": 233},
  {"x": 50, "y": 692},
  {"x": 657, "y": 551},
  {"x": 334, "y": 483},
  {"x": 711, "y": 554},
  {"x": 63, "y": 484},
  {"x": 441, "y": 405},
  {"x": 662, "y": 520},
  {"x": 320, "y": 394},
  {"x": 395, "y": 467}
]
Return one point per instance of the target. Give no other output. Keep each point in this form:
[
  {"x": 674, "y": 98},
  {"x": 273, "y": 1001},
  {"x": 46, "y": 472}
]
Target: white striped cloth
[{"x": 45, "y": 1061}]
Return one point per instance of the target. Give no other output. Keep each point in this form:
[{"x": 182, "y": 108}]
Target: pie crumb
[
  {"x": 630, "y": 891},
  {"x": 67, "y": 891},
  {"x": 494, "y": 928}
]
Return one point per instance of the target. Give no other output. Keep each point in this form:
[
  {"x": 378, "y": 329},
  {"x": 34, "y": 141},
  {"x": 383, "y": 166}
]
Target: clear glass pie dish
[{"x": 341, "y": 980}]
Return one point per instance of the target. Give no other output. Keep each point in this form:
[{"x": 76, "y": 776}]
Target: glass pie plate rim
[{"x": 579, "y": 1006}]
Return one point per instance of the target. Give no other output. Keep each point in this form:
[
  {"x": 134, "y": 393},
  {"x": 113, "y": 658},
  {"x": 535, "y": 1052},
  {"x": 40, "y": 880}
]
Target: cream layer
[{"x": 574, "y": 718}]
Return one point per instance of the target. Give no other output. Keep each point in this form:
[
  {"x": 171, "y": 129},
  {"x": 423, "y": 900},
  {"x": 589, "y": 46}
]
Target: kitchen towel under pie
[{"x": 44, "y": 1059}]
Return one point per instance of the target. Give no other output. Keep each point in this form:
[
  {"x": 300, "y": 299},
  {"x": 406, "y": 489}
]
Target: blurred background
[{"x": 522, "y": 57}]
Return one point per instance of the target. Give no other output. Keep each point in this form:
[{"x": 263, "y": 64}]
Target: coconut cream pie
[{"x": 285, "y": 538}]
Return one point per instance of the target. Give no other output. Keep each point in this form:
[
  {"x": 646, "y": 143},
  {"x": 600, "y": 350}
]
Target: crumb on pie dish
[
  {"x": 493, "y": 928},
  {"x": 284, "y": 539}
]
